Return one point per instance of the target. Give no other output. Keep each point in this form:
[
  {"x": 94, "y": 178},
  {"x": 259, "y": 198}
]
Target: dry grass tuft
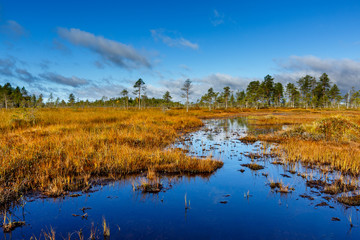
[
  {"x": 253, "y": 166},
  {"x": 350, "y": 201}
]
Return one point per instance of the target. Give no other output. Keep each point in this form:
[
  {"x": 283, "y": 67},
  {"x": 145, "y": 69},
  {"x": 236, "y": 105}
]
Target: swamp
[{"x": 119, "y": 174}]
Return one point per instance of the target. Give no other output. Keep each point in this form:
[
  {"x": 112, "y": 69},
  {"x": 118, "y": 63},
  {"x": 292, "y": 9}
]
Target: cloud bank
[
  {"x": 7, "y": 66},
  {"x": 200, "y": 85},
  {"x": 112, "y": 52},
  {"x": 59, "y": 79},
  {"x": 9, "y": 69},
  {"x": 344, "y": 72}
]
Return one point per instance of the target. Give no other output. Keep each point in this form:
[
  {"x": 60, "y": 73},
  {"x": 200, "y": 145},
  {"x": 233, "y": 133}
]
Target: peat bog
[{"x": 256, "y": 194}]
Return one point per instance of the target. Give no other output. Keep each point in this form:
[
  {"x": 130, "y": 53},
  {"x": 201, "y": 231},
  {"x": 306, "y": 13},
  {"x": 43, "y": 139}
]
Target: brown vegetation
[
  {"x": 317, "y": 138},
  {"x": 59, "y": 150},
  {"x": 350, "y": 200}
]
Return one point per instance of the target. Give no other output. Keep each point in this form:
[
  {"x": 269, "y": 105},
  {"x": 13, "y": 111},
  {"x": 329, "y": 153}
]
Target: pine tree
[
  {"x": 253, "y": 93},
  {"x": 139, "y": 85},
  {"x": 334, "y": 94},
  {"x": 167, "y": 97},
  {"x": 226, "y": 95},
  {"x": 125, "y": 93},
  {"x": 324, "y": 86},
  {"x": 71, "y": 99},
  {"x": 306, "y": 87},
  {"x": 187, "y": 91},
  {"x": 292, "y": 93},
  {"x": 267, "y": 89},
  {"x": 278, "y": 93}
]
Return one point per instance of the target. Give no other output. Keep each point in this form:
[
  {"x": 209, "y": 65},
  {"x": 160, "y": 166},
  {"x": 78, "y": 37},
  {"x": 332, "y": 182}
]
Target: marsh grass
[
  {"x": 326, "y": 139},
  {"x": 60, "y": 150},
  {"x": 253, "y": 166},
  {"x": 280, "y": 187},
  {"x": 275, "y": 184},
  {"x": 150, "y": 186},
  {"x": 350, "y": 200}
]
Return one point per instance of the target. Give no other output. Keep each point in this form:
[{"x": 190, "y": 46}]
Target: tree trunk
[
  {"x": 187, "y": 101},
  {"x": 139, "y": 98},
  {"x": 6, "y": 103}
]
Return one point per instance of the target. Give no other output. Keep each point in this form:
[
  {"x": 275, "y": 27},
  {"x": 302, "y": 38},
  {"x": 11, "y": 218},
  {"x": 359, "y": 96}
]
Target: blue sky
[{"x": 96, "y": 48}]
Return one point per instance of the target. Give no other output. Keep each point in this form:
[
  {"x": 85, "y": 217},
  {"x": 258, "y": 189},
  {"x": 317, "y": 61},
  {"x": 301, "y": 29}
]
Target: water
[{"x": 252, "y": 210}]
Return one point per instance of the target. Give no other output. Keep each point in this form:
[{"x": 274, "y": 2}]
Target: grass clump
[
  {"x": 324, "y": 139},
  {"x": 280, "y": 187},
  {"x": 253, "y": 166},
  {"x": 337, "y": 129},
  {"x": 273, "y": 184},
  {"x": 334, "y": 128},
  {"x": 150, "y": 184},
  {"x": 338, "y": 186},
  {"x": 350, "y": 200}
]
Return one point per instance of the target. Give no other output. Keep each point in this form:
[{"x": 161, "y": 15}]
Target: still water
[{"x": 228, "y": 204}]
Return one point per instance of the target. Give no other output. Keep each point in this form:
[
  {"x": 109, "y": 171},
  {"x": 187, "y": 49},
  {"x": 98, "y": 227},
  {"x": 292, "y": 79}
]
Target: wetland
[{"x": 256, "y": 194}]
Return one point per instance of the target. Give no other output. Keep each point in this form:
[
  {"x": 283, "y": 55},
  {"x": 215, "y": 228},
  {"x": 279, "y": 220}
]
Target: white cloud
[
  {"x": 344, "y": 72},
  {"x": 95, "y": 91},
  {"x": 13, "y": 29},
  {"x": 59, "y": 79},
  {"x": 217, "y": 18},
  {"x": 112, "y": 52},
  {"x": 172, "y": 41},
  {"x": 56, "y": 44},
  {"x": 25, "y": 76},
  {"x": 7, "y": 66},
  {"x": 200, "y": 85}
]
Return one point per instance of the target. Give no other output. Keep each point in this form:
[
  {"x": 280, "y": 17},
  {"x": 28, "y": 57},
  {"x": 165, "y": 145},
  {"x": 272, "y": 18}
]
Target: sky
[{"x": 98, "y": 48}]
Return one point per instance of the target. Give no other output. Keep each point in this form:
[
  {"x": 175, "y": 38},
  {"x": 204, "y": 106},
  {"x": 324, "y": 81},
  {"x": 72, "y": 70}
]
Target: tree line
[{"x": 307, "y": 92}]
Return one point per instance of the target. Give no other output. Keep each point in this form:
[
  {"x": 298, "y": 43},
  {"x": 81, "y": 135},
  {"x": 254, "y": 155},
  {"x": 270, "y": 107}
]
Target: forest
[{"x": 308, "y": 92}]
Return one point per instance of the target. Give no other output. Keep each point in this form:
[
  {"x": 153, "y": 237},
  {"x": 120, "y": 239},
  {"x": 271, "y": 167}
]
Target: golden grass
[
  {"x": 342, "y": 157},
  {"x": 318, "y": 138},
  {"x": 58, "y": 150}
]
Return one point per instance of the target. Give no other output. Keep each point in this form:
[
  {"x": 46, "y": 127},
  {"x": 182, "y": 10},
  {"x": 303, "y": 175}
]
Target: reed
[{"x": 106, "y": 229}]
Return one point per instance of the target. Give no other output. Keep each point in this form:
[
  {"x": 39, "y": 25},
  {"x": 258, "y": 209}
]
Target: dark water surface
[{"x": 249, "y": 208}]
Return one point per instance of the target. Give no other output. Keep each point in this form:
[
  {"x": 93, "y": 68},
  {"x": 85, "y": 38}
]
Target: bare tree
[{"x": 187, "y": 91}]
